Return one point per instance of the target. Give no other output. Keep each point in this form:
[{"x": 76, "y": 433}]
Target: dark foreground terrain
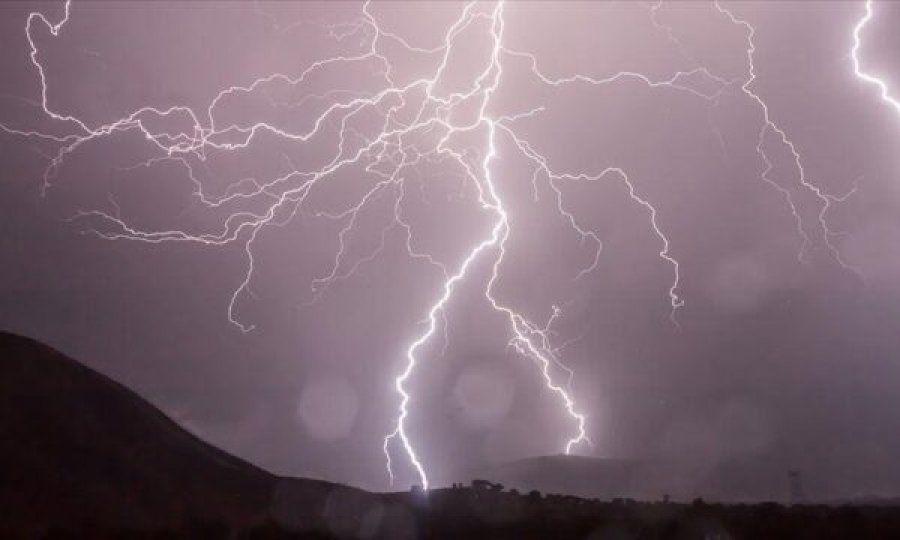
[{"x": 83, "y": 457}]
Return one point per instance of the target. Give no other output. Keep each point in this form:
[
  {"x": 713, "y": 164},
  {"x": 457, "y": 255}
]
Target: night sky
[{"x": 131, "y": 249}]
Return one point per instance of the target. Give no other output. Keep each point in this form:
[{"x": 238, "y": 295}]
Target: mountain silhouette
[
  {"x": 747, "y": 479},
  {"x": 84, "y": 457},
  {"x": 78, "y": 450}
]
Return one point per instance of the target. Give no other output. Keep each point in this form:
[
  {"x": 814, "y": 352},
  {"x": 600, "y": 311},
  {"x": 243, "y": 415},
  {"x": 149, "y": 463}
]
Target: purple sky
[{"x": 785, "y": 348}]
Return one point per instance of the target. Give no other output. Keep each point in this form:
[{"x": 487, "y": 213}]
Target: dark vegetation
[{"x": 83, "y": 457}]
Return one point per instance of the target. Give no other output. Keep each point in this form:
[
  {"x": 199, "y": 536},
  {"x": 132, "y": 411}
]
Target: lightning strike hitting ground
[{"x": 401, "y": 143}]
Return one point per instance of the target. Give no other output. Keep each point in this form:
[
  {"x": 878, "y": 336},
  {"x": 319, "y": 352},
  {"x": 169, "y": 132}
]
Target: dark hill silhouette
[
  {"x": 737, "y": 480},
  {"x": 83, "y": 457},
  {"x": 78, "y": 449}
]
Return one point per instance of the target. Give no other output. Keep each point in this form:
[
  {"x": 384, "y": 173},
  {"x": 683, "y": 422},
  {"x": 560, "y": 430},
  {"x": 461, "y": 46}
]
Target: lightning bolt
[
  {"x": 770, "y": 126},
  {"x": 490, "y": 200},
  {"x": 419, "y": 123},
  {"x": 883, "y": 90}
]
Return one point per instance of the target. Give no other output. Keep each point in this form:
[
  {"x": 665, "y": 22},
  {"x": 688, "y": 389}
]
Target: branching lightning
[
  {"x": 399, "y": 146},
  {"x": 770, "y": 126}
]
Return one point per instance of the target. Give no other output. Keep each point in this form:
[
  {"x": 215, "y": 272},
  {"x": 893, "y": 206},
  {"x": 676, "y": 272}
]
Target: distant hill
[
  {"x": 83, "y": 457},
  {"x": 745, "y": 480},
  {"x": 77, "y": 449}
]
